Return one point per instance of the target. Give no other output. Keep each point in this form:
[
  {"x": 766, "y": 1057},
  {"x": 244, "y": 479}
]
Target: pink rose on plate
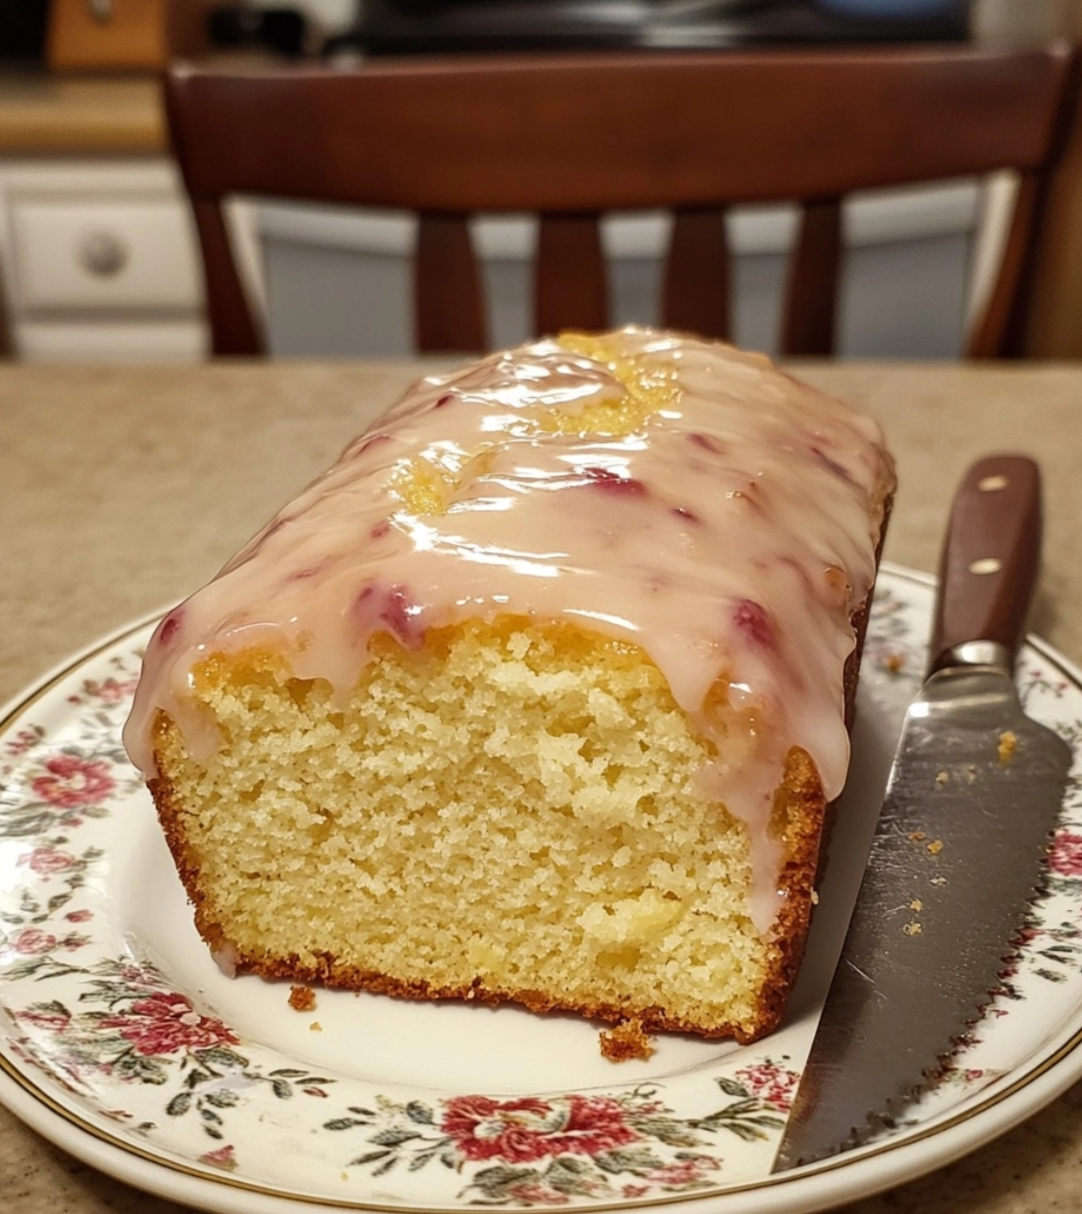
[
  {"x": 529, "y": 1128},
  {"x": 167, "y": 1023},
  {"x": 685, "y": 1172},
  {"x": 33, "y": 942},
  {"x": 111, "y": 690},
  {"x": 772, "y": 1084},
  {"x": 224, "y": 1157},
  {"x": 72, "y": 781},
  {"x": 1066, "y": 855},
  {"x": 46, "y": 860},
  {"x": 23, "y": 741}
]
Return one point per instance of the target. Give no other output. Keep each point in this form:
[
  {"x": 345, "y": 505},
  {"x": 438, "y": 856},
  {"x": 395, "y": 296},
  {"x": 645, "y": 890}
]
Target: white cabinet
[
  {"x": 103, "y": 255},
  {"x": 99, "y": 262}
]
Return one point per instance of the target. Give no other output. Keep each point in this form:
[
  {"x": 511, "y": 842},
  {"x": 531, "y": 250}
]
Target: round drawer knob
[{"x": 103, "y": 254}]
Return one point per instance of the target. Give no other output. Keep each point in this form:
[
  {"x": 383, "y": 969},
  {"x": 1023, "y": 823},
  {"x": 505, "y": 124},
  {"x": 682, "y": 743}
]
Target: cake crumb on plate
[
  {"x": 626, "y": 1040},
  {"x": 302, "y": 998}
]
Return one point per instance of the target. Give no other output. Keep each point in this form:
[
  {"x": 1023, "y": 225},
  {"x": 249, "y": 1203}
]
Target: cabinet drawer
[{"x": 83, "y": 255}]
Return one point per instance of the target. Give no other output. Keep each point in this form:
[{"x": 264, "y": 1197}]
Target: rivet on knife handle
[{"x": 989, "y": 564}]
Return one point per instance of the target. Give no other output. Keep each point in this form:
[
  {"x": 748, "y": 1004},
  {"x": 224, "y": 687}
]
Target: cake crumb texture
[{"x": 509, "y": 812}]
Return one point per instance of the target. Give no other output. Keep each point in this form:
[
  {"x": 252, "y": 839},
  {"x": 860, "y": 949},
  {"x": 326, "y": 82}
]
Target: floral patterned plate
[{"x": 121, "y": 1041}]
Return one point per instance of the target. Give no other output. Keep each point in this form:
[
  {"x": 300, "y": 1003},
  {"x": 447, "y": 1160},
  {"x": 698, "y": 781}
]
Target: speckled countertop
[{"x": 123, "y": 489}]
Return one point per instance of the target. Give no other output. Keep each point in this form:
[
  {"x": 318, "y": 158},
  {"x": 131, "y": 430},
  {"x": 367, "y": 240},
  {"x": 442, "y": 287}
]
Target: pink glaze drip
[{"x": 711, "y": 536}]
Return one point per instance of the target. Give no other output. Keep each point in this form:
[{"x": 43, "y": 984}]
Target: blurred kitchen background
[{"x": 98, "y": 261}]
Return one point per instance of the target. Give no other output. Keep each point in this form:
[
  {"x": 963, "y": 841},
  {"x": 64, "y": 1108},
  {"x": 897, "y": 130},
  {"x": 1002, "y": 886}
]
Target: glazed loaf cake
[{"x": 539, "y": 694}]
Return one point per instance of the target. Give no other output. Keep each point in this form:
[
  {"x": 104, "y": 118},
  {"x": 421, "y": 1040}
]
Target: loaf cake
[{"x": 540, "y": 694}]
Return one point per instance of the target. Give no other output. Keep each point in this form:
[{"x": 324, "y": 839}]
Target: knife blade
[{"x": 972, "y": 799}]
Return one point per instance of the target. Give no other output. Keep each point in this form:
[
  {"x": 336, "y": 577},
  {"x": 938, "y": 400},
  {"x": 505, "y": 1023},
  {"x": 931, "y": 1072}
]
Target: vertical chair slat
[
  {"x": 449, "y": 308},
  {"x": 695, "y": 291},
  {"x": 811, "y": 297},
  {"x": 233, "y": 328},
  {"x": 999, "y": 332},
  {"x": 570, "y": 281}
]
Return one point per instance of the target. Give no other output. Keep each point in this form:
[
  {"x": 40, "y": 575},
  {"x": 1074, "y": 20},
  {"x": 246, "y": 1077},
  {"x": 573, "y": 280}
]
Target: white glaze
[{"x": 730, "y": 535}]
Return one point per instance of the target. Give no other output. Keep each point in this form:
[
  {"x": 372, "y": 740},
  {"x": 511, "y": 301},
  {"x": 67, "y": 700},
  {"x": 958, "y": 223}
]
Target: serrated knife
[{"x": 972, "y": 799}]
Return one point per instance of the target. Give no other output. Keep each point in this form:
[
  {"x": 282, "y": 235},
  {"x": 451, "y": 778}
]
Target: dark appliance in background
[
  {"x": 22, "y": 30},
  {"x": 427, "y": 26},
  {"x": 277, "y": 30}
]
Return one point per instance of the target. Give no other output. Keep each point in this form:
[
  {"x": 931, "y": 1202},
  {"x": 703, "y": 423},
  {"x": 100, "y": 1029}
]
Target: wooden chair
[{"x": 572, "y": 136}]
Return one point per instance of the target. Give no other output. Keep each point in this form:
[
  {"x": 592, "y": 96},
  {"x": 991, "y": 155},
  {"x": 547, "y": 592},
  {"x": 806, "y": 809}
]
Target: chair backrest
[{"x": 570, "y": 137}]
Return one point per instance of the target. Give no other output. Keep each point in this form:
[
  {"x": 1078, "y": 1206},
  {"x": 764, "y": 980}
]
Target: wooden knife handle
[{"x": 988, "y": 568}]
